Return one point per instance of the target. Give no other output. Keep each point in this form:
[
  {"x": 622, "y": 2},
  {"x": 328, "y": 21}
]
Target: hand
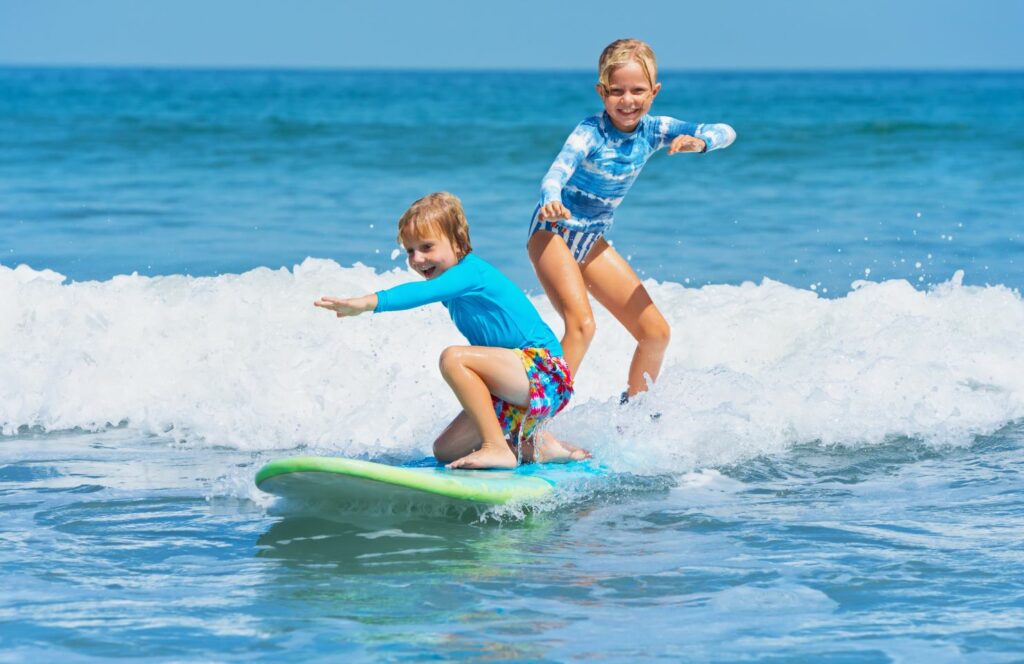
[
  {"x": 686, "y": 143},
  {"x": 352, "y": 306},
  {"x": 554, "y": 210}
]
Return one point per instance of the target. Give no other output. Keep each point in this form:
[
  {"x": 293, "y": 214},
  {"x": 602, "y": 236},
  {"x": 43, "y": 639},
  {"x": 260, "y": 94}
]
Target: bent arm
[
  {"x": 575, "y": 149},
  {"x": 715, "y": 136}
]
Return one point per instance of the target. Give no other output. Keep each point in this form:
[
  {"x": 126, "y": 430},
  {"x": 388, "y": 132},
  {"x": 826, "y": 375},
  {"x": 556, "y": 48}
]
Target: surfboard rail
[{"x": 493, "y": 487}]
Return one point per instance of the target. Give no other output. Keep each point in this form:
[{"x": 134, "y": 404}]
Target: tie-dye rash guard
[{"x": 598, "y": 164}]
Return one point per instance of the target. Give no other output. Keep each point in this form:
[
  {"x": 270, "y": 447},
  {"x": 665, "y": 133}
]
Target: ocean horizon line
[{"x": 254, "y": 68}]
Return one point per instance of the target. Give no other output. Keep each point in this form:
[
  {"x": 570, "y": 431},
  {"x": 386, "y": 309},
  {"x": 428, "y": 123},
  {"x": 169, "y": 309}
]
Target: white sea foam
[{"x": 246, "y": 361}]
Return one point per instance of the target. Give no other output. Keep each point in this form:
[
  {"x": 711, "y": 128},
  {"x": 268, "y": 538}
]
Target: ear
[
  {"x": 599, "y": 88},
  {"x": 655, "y": 90}
]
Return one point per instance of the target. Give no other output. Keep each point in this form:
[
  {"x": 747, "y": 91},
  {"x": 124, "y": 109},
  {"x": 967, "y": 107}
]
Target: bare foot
[
  {"x": 490, "y": 455},
  {"x": 551, "y": 450}
]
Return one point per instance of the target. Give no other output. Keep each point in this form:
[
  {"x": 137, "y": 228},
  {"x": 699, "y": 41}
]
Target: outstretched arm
[
  {"x": 352, "y": 306},
  {"x": 454, "y": 281}
]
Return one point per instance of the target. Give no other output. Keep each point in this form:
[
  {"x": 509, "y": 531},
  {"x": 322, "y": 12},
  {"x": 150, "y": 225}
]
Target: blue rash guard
[
  {"x": 598, "y": 164},
  {"x": 485, "y": 305}
]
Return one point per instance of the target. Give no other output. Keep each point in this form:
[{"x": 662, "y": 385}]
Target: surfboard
[{"x": 353, "y": 481}]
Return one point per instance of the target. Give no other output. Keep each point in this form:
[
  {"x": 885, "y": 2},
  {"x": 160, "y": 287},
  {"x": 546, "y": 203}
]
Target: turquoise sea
[{"x": 837, "y": 473}]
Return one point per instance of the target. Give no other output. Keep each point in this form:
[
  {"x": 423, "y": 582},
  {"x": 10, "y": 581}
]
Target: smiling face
[
  {"x": 628, "y": 95},
  {"x": 434, "y": 233},
  {"x": 431, "y": 254}
]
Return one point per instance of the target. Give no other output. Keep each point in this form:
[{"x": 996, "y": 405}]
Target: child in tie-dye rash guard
[{"x": 589, "y": 178}]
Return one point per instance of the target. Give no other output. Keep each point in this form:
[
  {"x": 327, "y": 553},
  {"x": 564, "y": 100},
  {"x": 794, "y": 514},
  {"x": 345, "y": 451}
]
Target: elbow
[{"x": 728, "y": 136}]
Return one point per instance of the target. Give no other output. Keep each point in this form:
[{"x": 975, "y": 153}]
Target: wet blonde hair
[
  {"x": 620, "y": 53},
  {"x": 438, "y": 214}
]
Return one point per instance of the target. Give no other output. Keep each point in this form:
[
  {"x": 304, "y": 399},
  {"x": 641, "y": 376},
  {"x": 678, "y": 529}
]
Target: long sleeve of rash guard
[{"x": 456, "y": 280}]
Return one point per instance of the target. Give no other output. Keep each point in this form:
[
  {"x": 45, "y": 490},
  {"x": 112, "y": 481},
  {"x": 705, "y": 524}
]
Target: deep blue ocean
[{"x": 836, "y": 474}]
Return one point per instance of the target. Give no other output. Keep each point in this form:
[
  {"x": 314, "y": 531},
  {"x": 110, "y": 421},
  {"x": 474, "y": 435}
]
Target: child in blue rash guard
[
  {"x": 512, "y": 376},
  {"x": 587, "y": 181}
]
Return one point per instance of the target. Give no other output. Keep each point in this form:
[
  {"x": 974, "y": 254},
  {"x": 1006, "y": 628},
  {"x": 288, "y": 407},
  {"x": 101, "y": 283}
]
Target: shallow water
[
  {"x": 115, "y": 545},
  {"x": 835, "y": 474}
]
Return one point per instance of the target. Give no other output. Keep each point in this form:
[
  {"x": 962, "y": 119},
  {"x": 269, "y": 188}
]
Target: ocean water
[{"x": 836, "y": 474}]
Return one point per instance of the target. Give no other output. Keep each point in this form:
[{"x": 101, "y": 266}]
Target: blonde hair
[
  {"x": 620, "y": 53},
  {"x": 440, "y": 213}
]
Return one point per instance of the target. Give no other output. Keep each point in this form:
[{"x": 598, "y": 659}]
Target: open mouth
[{"x": 428, "y": 271}]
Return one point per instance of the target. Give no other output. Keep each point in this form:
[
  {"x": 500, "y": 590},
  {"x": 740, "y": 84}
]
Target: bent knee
[
  {"x": 442, "y": 451},
  {"x": 451, "y": 358},
  {"x": 581, "y": 324},
  {"x": 657, "y": 332}
]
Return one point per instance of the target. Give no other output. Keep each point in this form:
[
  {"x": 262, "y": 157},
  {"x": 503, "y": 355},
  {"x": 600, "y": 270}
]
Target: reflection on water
[
  {"x": 399, "y": 544},
  {"x": 110, "y": 540}
]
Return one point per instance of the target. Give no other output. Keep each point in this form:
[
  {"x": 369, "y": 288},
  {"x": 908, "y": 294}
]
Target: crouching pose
[{"x": 512, "y": 376}]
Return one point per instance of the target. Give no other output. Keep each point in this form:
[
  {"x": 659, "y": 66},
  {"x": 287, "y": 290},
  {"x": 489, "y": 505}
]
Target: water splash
[{"x": 245, "y": 361}]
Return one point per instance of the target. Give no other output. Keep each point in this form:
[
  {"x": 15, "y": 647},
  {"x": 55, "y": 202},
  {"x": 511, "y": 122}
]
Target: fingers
[
  {"x": 686, "y": 144},
  {"x": 338, "y": 305},
  {"x": 327, "y": 302},
  {"x": 552, "y": 211}
]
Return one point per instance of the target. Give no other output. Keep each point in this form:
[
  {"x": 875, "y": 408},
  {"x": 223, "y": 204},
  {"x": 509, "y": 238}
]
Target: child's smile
[
  {"x": 628, "y": 96},
  {"x": 430, "y": 256}
]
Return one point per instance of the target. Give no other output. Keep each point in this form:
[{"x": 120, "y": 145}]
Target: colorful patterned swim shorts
[{"x": 550, "y": 391}]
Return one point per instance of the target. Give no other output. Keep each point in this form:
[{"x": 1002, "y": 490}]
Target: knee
[
  {"x": 656, "y": 332},
  {"x": 441, "y": 451},
  {"x": 450, "y": 360},
  {"x": 581, "y": 325}
]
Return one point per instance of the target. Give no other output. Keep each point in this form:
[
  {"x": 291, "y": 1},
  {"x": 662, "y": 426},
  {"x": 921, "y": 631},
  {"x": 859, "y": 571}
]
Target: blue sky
[{"x": 519, "y": 34}]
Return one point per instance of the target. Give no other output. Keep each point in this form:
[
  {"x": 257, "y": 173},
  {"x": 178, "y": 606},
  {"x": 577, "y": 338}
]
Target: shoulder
[
  {"x": 473, "y": 264},
  {"x": 477, "y": 264},
  {"x": 587, "y": 134},
  {"x": 590, "y": 127},
  {"x": 593, "y": 123},
  {"x": 483, "y": 269}
]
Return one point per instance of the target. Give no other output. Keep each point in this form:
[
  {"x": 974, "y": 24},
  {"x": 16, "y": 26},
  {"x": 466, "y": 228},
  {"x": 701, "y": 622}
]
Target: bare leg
[
  {"x": 615, "y": 285},
  {"x": 460, "y": 438},
  {"x": 560, "y": 276},
  {"x": 474, "y": 374},
  {"x": 457, "y": 440}
]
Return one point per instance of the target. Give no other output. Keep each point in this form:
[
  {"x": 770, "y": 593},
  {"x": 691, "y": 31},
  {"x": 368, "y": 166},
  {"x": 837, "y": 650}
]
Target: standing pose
[{"x": 587, "y": 181}]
